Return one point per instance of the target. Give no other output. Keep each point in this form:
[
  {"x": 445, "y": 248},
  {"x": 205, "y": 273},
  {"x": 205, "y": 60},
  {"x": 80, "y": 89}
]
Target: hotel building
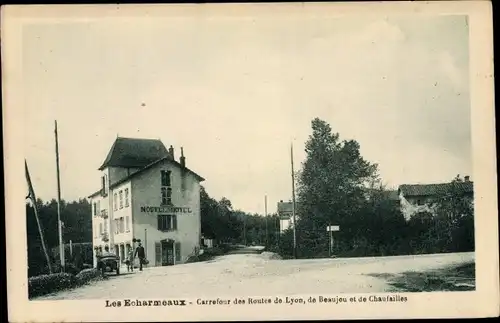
[{"x": 147, "y": 195}]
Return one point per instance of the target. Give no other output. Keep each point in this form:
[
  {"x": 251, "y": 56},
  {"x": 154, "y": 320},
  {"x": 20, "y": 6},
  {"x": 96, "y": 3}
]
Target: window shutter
[
  {"x": 157, "y": 253},
  {"x": 159, "y": 223},
  {"x": 177, "y": 251},
  {"x": 174, "y": 220}
]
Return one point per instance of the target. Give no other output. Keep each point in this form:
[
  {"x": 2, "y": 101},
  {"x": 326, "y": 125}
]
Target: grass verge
[{"x": 454, "y": 278}]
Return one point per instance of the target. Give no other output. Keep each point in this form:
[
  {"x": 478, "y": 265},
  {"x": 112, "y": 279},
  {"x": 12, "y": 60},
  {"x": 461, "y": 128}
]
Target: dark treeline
[
  {"x": 223, "y": 224},
  {"x": 77, "y": 220},
  {"x": 336, "y": 186}
]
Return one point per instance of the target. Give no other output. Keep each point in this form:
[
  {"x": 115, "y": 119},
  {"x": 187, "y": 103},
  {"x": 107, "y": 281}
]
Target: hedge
[
  {"x": 88, "y": 275},
  {"x": 46, "y": 284}
]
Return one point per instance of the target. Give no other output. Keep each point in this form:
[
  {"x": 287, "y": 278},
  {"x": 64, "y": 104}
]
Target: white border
[{"x": 480, "y": 303}]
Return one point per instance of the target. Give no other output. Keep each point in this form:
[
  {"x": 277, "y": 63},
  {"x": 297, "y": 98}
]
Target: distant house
[
  {"x": 423, "y": 197},
  {"x": 285, "y": 214}
]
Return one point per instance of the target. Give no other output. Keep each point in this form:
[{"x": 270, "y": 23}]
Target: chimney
[
  {"x": 182, "y": 159},
  {"x": 171, "y": 152},
  {"x": 467, "y": 178}
]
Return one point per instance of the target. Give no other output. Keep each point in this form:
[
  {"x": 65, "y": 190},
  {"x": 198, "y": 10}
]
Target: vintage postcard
[{"x": 220, "y": 162}]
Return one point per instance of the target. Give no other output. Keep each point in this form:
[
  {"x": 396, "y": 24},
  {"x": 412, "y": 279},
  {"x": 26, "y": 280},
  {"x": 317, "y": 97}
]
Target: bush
[
  {"x": 207, "y": 254},
  {"x": 88, "y": 275},
  {"x": 45, "y": 284}
]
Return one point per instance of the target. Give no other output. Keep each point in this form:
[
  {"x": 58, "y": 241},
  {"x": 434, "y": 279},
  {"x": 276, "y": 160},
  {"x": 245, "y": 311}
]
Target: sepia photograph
[{"x": 225, "y": 157}]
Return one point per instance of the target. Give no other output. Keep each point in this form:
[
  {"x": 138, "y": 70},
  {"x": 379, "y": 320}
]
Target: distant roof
[
  {"x": 134, "y": 153},
  {"x": 434, "y": 189}
]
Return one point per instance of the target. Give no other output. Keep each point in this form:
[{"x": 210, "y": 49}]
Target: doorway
[
  {"x": 122, "y": 251},
  {"x": 167, "y": 253}
]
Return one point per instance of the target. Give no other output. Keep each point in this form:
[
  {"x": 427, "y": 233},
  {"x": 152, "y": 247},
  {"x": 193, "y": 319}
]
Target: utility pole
[
  {"x": 265, "y": 215},
  {"x": 32, "y": 196},
  {"x": 61, "y": 245},
  {"x": 245, "y": 229},
  {"x": 293, "y": 206}
]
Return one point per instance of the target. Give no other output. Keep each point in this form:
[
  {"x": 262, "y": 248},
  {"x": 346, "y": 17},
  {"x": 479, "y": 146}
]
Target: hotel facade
[{"x": 147, "y": 195}]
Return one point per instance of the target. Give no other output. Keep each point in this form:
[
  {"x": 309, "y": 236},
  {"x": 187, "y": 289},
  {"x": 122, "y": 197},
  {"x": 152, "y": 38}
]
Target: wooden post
[
  {"x": 146, "y": 243},
  {"x": 293, "y": 207},
  {"x": 245, "y": 229},
  {"x": 331, "y": 241},
  {"x": 61, "y": 245},
  {"x": 32, "y": 196},
  {"x": 265, "y": 215}
]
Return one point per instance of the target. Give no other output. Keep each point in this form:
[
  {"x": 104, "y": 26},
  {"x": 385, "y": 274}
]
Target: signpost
[{"x": 331, "y": 229}]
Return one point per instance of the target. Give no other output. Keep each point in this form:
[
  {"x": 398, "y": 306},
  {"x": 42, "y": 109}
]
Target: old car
[{"x": 108, "y": 263}]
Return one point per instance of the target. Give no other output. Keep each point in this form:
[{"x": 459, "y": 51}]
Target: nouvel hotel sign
[{"x": 165, "y": 209}]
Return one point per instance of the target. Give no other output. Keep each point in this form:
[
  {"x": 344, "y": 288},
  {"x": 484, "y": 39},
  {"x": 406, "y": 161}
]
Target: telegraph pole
[
  {"x": 32, "y": 196},
  {"x": 61, "y": 245},
  {"x": 293, "y": 206},
  {"x": 265, "y": 215},
  {"x": 245, "y": 229}
]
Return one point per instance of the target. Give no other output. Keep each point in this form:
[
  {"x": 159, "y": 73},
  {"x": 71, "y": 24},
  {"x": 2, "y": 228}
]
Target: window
[
  {"x": 127, "y": 224},
  {"x": 167, "y": 222},
  {"x": 101, "y": 231},
  {"x": 105, "y": 226},
  {"x": 126, "y": 198},
  {"x": 165, "y": 178},
  {"x": 95, "y": 208},
  {"x": 98, "y": 207},
  {"x": 166, "y": 189},
  {"x": 169, "y": 196},
  {"x": 115, "y": 201},
  {"x": 164, "y": 199},
  {"x": 117, "y": 226},
  {"x": 121, "y": 199},
  {"x": 122, "y": 224}
]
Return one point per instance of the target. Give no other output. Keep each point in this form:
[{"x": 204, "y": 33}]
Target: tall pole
[
  {"x": 32, "y": 196},
  {"x": 245, "y": 229},
  {"x": 61, "y": 245},
  {"x": 293, "y": 206},
  {"x": 146, "y": 242},
  {"x": 265, "y": 215}
]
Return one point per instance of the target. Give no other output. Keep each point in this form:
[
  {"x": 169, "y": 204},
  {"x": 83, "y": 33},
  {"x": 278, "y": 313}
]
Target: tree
[
  {"x": 217, "y": 219},
  {"x": 330, "y": 188},
  {"x": 77, "y": 220},
  {"x": 455, "y": 217}
]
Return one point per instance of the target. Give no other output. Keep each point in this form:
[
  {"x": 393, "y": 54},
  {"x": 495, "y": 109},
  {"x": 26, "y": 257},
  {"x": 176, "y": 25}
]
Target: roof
[
  {"x": 140, "y": 171},
  {"x": 434, "y": 189},
  {"x": 198, "y": 177},
  {"x": 134, "y": 153}
]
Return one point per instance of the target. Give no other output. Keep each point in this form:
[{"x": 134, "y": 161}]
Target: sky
[{"x": 235, "y": 93}]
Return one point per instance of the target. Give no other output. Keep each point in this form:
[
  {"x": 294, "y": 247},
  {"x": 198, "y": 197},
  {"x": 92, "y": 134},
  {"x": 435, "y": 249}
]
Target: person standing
[
  {"x": 139, "y": 252},
  {"x": 130, "y": 260}
]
